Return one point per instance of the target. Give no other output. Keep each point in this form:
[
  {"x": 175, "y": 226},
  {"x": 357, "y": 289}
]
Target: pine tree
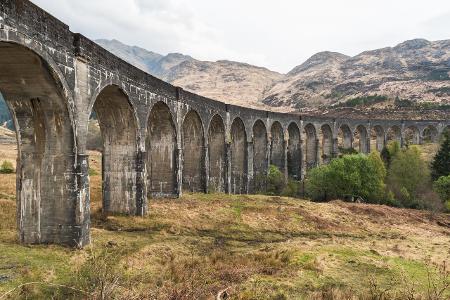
[{"x": 441, "y": 162}]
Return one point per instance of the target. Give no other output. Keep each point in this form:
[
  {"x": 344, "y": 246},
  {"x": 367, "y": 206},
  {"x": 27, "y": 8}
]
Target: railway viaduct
[{"x": 158, "y": 139}]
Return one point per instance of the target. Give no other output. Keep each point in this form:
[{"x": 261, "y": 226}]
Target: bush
[
  {"x": 351, "y": 175},
  {"x": 442, "y": 188},
  {"x": 275, "y": 181},
  {"x": 408, "y": 177},
  {"x": 291, "y": 189},
  {"x": 6, "y": 167}
]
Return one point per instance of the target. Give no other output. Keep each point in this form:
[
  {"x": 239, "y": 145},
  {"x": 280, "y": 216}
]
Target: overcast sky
[{"x": 277, "y": 34}]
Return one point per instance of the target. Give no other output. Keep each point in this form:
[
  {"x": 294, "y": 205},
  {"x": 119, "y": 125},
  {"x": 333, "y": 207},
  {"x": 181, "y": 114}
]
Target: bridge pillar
[
  {"x": 249, "y": 188},
  {"x": 368, "y": 144},
  {"x": 285, "y": 160},
  {"x": 335, "y": 149},
  {"x": 228, "y": 186},
  {"x": 206, "y": 168},
  {"x": 179, "y": 171},
  {"x": 141, "y": 184}
]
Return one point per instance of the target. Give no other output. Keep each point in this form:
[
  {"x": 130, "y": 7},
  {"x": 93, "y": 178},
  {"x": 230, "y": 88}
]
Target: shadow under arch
[
  {"x": 277, "y": 155},
  {"x": 377, "y": 138},
  {"x": 193, "y": 153},
  {"x": 345, "y": 138},
  {"x": 412, "y": 135},
  {"x": 430, "y": 134},
  {"x": 311, "y": 146},
  {"x": 39, "y": 100},
  {"x": 161, "y": 144},
  {"x": 394, "y": 133},
  {"x": 238, "y": 157},
  {"x": 327, "y": 143},
  {"x": 361, "y": 139},
  {"x": 216, "y": 154},
  {"x": 118, "y": 127},
  {"x": 260, "y": 156},
  {"x": 294, "y": 157}
]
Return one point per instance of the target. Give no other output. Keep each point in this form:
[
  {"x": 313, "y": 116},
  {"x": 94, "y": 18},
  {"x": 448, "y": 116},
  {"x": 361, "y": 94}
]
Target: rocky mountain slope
[
  {"x": 412, "y": 74},
  {"x": 415, "y": 71},
  {"x": 228, "y": 81}
]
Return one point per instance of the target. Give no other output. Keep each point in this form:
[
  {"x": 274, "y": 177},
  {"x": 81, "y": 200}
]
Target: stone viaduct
[{"x": 158, "y": 140}]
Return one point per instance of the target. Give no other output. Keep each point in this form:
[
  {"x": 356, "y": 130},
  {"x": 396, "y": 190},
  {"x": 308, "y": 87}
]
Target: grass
[{"x": 247, "y": 247}]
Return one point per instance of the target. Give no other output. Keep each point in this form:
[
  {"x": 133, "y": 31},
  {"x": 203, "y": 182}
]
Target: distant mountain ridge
[
  {"x": 228, "y": 81},
  {"x": 415, "y": 71}
]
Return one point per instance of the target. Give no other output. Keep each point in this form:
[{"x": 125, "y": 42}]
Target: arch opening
[
  {"x": 260, "y": 158},
  {"x": 118, "y": 129},
  {"x": 238, "y": 157},
  {"x": 294, "y": 157},
  {"x": 193, "y": 153},
  {"x": 430, "y": 134},
  {"x": 45, "y": 171},
  {"x": 360, "y": 138},
  {"x": 394, "y": 133},
  {"x": 345, "y": 138},
  {"x": 161, "y": 152},
  {"x": 327, "y": 143},
  {"x": 412, "y": 135},
  {"x": 216, "y": 152},
  {"x": 377, "y": 138},
  {"x": 311, "y": 147},
  {"x": 277, "y": 154}
]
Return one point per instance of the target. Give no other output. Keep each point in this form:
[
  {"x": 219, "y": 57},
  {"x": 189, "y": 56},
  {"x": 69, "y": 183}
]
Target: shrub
[
  {"x": 275, "y": 181},
  {"x": 440, "y": 166},
  {"x": 291, "y": 189},
  {"x": 6, "y": 167},
  {"x": 442, "y": 188},
  {"x": 354, "y": 175}
]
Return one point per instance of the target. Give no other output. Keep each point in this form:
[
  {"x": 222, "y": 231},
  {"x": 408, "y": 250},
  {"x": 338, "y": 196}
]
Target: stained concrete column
[
  {"x": 228, "y": 168},
  {"x": 317, "y": 151},
  {"x": 334, "y": 147},
  {"x": 249, "y": 183},
  {"x": 302, "y": 160},
  {"x": 82, "y": 215},
  {"x": 205, "y": 168},
  {"x": 368, "y": 144},
  {"x": 141, "y": 184},
  {"x": 285, "y": 149},
  {"x": 179, "y": 171}
]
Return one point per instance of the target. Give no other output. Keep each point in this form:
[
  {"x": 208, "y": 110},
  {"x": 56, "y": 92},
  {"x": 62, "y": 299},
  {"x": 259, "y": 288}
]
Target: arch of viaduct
[{"x": 158, "y": 140}]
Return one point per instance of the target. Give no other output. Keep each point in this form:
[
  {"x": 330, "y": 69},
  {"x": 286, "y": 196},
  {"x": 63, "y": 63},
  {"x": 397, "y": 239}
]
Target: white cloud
[{"x": 275, "y": 34}]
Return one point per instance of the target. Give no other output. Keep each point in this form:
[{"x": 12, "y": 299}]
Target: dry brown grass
[{"x": 253, "y": 247}]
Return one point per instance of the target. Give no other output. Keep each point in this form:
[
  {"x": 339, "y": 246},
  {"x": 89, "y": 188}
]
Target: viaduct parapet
[{"x": 158, "y": 139}]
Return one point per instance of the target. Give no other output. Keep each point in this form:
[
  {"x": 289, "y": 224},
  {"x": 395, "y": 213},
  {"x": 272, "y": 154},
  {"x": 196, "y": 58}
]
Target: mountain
[
  {"x": 228, "y": 81},
  {"x": 413, "y": 73}
]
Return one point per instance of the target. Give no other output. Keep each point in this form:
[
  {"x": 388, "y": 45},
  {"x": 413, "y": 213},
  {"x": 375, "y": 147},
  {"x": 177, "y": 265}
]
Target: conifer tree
[{"x": 440, "y": 165}]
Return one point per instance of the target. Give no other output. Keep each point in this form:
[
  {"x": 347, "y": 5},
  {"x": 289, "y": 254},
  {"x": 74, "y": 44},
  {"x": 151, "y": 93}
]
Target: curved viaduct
[{"x": 158, "y": 140}]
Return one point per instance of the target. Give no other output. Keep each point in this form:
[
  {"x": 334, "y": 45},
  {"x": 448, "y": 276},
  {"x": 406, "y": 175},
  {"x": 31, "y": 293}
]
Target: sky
[{"x": 276, "y": 34}]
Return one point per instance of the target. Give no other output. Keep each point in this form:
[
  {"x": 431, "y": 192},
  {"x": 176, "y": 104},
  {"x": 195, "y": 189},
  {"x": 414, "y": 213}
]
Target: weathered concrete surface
[{"x": 158, "y": 140}]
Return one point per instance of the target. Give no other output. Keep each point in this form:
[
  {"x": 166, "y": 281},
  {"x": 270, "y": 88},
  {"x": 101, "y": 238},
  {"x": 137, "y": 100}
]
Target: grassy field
[{"x": 237, "y": 247}]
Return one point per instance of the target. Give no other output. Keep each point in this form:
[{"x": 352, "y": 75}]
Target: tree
[
  {"x": 350, "y": 175},
  {"x": 389, "y": 151},
  {"x": 408, "y": 176},
  {"x": 442, "y": 188},
  {"x": 440, "y": 166}
]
